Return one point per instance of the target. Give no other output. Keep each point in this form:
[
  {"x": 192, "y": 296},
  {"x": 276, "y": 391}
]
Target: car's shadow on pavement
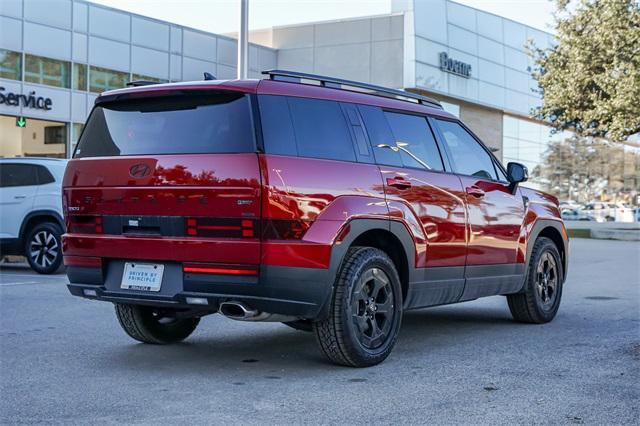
[{"x": 257, "y": 348}]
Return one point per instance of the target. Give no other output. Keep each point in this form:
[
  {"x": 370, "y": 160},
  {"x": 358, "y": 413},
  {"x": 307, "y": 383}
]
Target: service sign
[{"x": 31, "y": 100}]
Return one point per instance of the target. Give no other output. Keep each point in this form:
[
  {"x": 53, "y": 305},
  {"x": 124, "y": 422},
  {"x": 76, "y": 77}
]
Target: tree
[
  {"x": 587, "y": 169},
  {"x": 590, "y": 80}
]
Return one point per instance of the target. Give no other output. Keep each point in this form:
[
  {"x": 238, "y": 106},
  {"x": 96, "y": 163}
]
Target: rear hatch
[{"x": 169, "y": 177}]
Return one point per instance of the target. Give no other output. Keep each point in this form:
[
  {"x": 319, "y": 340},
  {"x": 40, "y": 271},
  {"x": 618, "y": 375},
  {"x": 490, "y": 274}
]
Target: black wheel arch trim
[
  {"x": 35, "y": 214},
  {"x": 539, "y": 226},
  {"x": 358, "y": 228}
]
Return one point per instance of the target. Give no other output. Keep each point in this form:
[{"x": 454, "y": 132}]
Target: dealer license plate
[{"x": 142, "y": 276}]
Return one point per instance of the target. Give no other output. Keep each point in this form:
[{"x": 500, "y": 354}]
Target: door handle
[
  {"x": 475, "y": 191},
  {"x": 19, "y": 197},
  {"x": 399, "y": 182}
]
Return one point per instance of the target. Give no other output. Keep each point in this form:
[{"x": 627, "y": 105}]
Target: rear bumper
[{"x": 300, "y": 292}]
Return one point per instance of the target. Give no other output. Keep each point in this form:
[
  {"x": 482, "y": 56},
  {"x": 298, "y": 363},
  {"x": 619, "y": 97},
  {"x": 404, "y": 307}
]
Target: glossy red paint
[
  {"x": 221, "y": 185},
  {"x": 454, "y": 220},
  {"x": 433, "y": 208},
  {"x": 495, "y": 220},
  {"x": 328, "y": 193}
]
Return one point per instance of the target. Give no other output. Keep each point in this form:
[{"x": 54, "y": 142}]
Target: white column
[{"x": 243, "y": 40}]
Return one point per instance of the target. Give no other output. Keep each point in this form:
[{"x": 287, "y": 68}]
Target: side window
[
  {"x": 415, "y": 140},
  {"x": 18, "y": 175},
  {"x": 277, "y": 129},
  {"x": 467, "y": 155},
  {"x": 44, "y": 175},
  {"x": 379, "y": 134},
  {"x": 305, "y": 127},
  {"x": 321, "y": 130}
]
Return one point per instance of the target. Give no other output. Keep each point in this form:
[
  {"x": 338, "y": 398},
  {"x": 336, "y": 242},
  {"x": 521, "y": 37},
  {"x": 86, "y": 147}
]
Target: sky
[{"x": 222, "y": 16}]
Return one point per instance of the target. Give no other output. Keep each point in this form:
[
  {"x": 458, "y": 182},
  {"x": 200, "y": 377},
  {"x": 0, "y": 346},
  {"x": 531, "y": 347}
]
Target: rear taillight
[
  {"x": 84, "y": 225},
  {"x": 220, "y": 227},
  {"x": 278, "y": 229}
]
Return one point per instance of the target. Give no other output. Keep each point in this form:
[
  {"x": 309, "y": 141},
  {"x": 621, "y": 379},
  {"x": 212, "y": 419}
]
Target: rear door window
[
  {"x": 467, "y": 155},
  {"x": 190, "y": 124},
  {"x": 415, "y": 141},
  {"x": 18, "y": 175},
  {"x": 307, "y": 127}
]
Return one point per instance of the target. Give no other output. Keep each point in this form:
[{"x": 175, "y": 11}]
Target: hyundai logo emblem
[{"x": 139, "y": 171}]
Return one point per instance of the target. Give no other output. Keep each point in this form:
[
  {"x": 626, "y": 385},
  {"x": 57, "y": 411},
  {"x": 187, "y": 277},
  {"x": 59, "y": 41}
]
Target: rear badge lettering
[{"x": 245, "y": 202}]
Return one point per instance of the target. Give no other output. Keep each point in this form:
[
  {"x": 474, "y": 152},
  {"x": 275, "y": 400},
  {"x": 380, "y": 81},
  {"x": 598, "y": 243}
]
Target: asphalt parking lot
[{"x": 66, "y": 360}]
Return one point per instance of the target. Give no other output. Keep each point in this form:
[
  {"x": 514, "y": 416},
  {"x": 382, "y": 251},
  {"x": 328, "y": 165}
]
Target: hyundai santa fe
[{"x": 329, "y": 205}]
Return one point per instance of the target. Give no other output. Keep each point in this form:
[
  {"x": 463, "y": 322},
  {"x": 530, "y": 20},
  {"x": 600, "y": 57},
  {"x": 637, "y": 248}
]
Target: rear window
[{"x": 198, "y": 124}]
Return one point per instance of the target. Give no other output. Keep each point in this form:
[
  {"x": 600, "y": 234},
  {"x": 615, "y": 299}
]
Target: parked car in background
[
  {"x": 31, "y": 210},
  {"x": 316, "y": 205},
  {"x": 609, "y": 212},
  {"x": 575, "y": 214}
]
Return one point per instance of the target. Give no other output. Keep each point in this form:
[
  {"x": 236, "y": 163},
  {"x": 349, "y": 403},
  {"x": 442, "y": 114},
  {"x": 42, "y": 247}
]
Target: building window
[
  {"x": 103, "y": 79},
  {"x": 55, "y": 134},
  {"x": 10, "y": 65},
  {"x": 135, "y": 77},
  {"x": 79, "y": 77},
  {"x": 47, "y": 71}
]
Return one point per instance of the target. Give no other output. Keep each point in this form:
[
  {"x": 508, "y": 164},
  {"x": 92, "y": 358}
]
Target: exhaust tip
[{"x": 237, "y": 310}]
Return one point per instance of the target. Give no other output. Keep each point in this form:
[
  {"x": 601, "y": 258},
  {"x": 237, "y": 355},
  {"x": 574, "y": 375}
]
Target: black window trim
[{"x": 493, "y": 158}]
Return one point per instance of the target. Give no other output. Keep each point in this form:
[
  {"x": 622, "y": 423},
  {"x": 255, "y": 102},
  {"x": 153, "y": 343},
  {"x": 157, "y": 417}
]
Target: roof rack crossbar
[
  {"x": 354, "y": 86},
  {"x": 138, "y": 83}
]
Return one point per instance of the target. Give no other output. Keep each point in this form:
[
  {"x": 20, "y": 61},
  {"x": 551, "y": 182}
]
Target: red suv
[{"x": 329, "y": 205}]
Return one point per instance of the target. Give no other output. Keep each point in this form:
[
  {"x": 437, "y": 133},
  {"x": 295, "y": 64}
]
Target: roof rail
[
  {"x": 138, "y": 83},
  {"x": 353, "y": 86}
]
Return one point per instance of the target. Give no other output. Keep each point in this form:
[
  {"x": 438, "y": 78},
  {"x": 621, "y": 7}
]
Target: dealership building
[{"x": 56, "y": 56}]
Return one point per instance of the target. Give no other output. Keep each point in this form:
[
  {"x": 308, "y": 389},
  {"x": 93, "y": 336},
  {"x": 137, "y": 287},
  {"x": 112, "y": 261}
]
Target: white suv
[{"x": 31, "y": 211}]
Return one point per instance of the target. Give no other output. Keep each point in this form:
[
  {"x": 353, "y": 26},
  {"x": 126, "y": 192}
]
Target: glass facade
[
  {"x": 79, "y": 77},
  {"x": 103, "y": 79},
  {"x": 525, "y": 141},
  {"x": 52, "y": 72},
  {"x": 10, "y": 64},
  {"x": 135, "y": 77}
]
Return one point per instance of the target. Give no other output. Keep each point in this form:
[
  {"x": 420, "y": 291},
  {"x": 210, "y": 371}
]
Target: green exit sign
[{"x": 21, "y": 122}]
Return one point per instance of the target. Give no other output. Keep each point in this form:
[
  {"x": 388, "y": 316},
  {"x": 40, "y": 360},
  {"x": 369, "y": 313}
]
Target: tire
[
  {"x": 302, "y": 325},
  {"x": 538, "y": 303},
  {"x": 367, "y": 300},
  {"x": 151, "y": 325},
  {"x": 43, "y": 247}
]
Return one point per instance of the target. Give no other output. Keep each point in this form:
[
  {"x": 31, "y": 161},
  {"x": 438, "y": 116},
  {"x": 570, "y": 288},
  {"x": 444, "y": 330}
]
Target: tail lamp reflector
[
  {"x": 85, "y": 224},
  {"x": 220, "y": 227},
  {"x": 284, "y": 229},
  {"x": 208, "y": 268}
]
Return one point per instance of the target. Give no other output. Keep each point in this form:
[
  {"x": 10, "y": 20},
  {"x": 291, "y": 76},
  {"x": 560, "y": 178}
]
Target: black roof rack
[
  {"x": 138, "y": 83},
  {"x": 354, "y": 86}
]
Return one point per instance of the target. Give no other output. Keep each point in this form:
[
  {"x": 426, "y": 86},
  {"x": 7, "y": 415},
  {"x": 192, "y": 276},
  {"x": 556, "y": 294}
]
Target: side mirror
[{"x": 517, "y": 173}]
